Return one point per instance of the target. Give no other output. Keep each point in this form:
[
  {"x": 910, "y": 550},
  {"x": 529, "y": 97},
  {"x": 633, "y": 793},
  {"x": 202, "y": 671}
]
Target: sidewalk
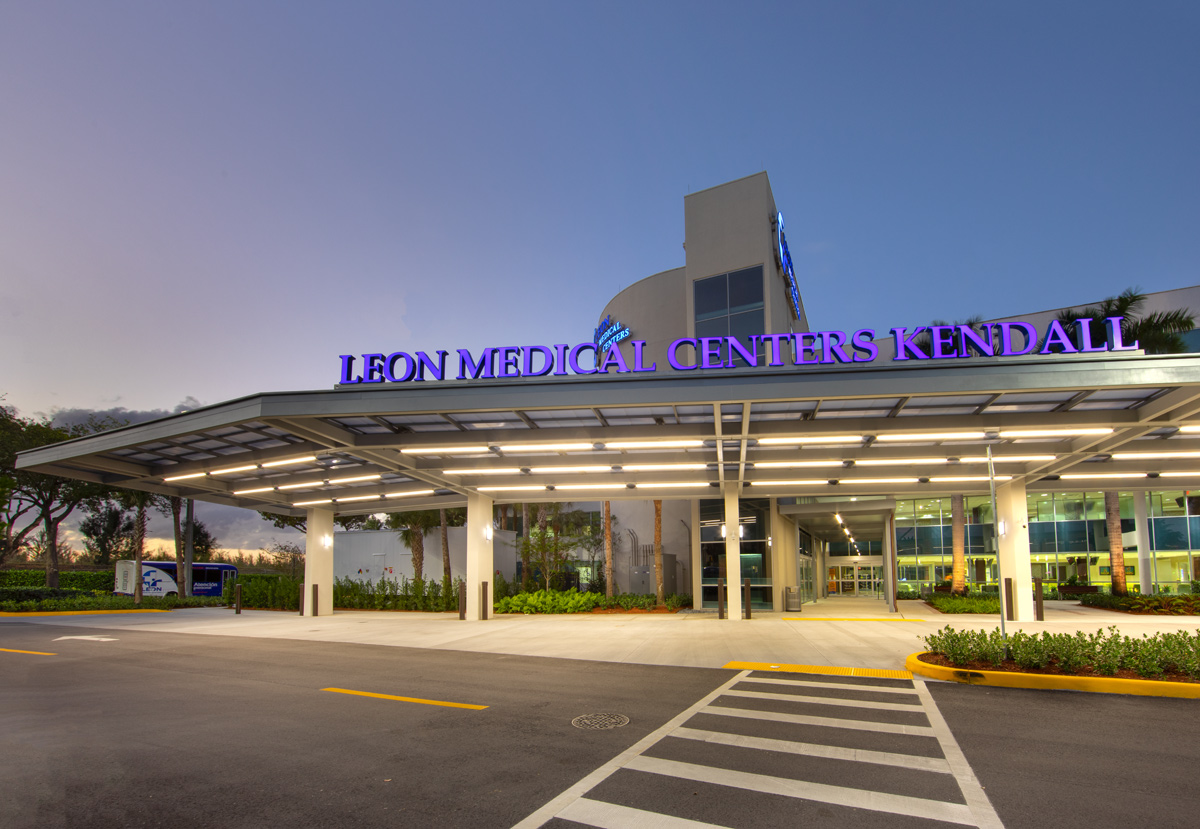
[{"x": 842, "y": 632}]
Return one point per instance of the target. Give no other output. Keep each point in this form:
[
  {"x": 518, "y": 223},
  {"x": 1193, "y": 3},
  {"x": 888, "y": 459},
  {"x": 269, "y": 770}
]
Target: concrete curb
[
  {"x": 1055, "y": 682},
  {"x": 80, "y": 612}
]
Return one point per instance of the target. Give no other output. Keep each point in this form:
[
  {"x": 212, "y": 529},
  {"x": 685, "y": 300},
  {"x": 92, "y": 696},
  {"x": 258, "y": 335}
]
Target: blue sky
[{"x": 213, "y": 199}]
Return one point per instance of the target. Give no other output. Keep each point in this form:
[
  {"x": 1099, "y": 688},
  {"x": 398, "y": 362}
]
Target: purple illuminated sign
[{"x": 934, "y": 342}]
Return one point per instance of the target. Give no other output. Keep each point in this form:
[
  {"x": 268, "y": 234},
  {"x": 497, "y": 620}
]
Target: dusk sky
[{"x": 207, "y": 200}]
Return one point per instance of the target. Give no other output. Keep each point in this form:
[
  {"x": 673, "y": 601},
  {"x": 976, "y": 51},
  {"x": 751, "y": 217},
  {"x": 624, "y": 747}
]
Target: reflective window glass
[
  {"x": 711, "y": 297},
  {"x": 746, "y": 290},
  {"x": 1068, "y": 506}
]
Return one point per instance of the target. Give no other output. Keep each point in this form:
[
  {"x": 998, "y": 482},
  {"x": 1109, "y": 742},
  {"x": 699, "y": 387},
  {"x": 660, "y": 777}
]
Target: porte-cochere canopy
[{"x": 1069, "y": 422}]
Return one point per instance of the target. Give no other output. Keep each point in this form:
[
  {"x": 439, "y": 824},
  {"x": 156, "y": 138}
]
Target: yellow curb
[
  {"x": 1055, "y": 682},
  {"x": 82, "y": 612},
  {"x": 826, "y": 670}
]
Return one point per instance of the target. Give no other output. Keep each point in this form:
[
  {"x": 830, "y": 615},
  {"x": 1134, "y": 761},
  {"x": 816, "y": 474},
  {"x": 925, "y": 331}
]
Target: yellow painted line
[
  {"x": 827, "y": 670},
  {"x": 35, "y": 653},
  {"x": 407, "y": 699},
  {"x": 1056, "y": 682},
  {"x": 82, "y": 612},
  {"x": 847, "y": 619}
]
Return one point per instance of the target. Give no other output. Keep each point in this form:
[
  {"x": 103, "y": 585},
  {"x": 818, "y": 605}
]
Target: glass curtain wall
[
  {"x": 924, "y": 553},
  {"x": 1068, "y": 541}
]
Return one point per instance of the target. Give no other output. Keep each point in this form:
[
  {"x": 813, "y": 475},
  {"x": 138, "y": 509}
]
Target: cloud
[{"x": 77, "y": 417}]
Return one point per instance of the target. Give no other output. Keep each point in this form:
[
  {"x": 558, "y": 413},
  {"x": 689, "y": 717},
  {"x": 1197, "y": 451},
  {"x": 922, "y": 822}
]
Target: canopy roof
[{"x": 1069, "y": 423}]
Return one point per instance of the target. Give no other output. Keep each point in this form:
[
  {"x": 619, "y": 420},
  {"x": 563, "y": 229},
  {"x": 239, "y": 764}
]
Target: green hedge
[
  {"x": 87, "y": 600},
  {"x": 78, "y": 579},
  {"x": 949, "y": 603},
  {"x": 1160, "y": 605},
  {"x": 572, "y": 601},
  {"x": 427, "y": 595},
  {"x": 1105, "y": 652}
]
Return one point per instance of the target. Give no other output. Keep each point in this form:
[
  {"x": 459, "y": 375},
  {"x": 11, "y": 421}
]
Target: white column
[
  {"x": 1141, "y": 518},
  {"x": 480, "y": 565},
  {"x": 318, "y": 562},
  {"x": 1013, "y": 512},
  {"x": 776, "y": 545},
  {"x": 733, "y": 554},
  {"x": 889, "y": 559},
  {"x": 697, "y": 560}
]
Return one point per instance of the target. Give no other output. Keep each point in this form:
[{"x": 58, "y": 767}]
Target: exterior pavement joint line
[
  {"x": 803, "y": 790},
  {"x": 977, "y": 799},
  {"x": 857, "y": 755},
  {"x": 847, "y": 703},
  {"x": 576, "y": 792},
  {"x": 828, "y": 722}
]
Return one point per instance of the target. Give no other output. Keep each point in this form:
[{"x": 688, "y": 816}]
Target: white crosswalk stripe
[{"x": 874, "y": 746}]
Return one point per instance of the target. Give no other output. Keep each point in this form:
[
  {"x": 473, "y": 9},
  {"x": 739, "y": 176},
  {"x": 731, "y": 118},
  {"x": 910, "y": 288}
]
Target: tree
[
  {"x": 413, "y": 527},
  {"x": 107, "y": 532},
  {"x": 658, "y": 559},
  {"x": 550, "y": 544},
  {"x": 526, "y": 576},
  {"x": 608, "y": 551},
  {"x": 138, "y": 502},
  {"x": 958, "y": 584},
  {"x": 1155, "y": 333},
  {"x": 300, "y": 522},
  {"x": 453, "y": 517},
  {"x": 287, "y": 554},
  {"x": 204, "y": 543},
  {"x": 38, "y": 499}
]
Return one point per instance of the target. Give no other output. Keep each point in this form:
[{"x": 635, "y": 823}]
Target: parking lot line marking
[
  {"x": 825, "y": 670},
  {"x": 35, "y": 653},
  {"x": 845, "y": 703},
  {"x": 819, "y": 792},
  {"x": 840, "y": 686},
  {"x": 407, "y": 699},
  {"x": 612, "y": 816},
  {"x": 858, "y": 755},
  {"x": 831, "y": 722},
  {"x": 601, "y": 774}
]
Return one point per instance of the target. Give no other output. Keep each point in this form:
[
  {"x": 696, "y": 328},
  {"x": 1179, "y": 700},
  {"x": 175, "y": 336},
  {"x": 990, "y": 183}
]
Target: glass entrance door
[{"x": 858, "y": 579}]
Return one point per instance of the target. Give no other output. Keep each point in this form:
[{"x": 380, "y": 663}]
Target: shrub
[{"x": 948, "y": 603}]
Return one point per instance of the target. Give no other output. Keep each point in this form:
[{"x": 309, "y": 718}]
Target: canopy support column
[
  {"x": 318, "y": 562},
  {"x": 1013, "y": 514},
  {"x": 480, "y": 564},
  {"x": 733, "y": 553}
]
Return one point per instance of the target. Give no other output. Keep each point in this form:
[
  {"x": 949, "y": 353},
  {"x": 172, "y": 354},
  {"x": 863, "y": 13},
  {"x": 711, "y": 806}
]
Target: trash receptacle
[{"x": 791, "y": 599}]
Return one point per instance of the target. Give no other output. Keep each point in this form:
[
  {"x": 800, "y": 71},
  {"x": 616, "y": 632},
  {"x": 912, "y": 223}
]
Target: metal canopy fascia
[{"x": 304, "y": 421}]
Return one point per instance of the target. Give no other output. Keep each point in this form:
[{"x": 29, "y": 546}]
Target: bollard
[
  {"x": 301, "y": 602},
  {"x": 747, "y": 599},
  {"x": 1039, "y": 607},
  {"x": 237, "y": 598},
  {"x": 483, "y": 605},
  {"x": 1008, "y": 599},
  {"x": 462, "y": 600},
  {"x": 720, "y": 598},
  {"x": 314, "y": 601}
]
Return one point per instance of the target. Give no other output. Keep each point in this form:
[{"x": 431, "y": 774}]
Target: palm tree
[
  {"x": 1155, "y": 333},
  {"x": 413, "y": 526},
  {"x": 658, "y": 559},
  {"x": 453, "y": 517},
  {"x": 958, "y": 585},
  {"x": 138, "y": 501},
  {"x": 608, "y": 551}
]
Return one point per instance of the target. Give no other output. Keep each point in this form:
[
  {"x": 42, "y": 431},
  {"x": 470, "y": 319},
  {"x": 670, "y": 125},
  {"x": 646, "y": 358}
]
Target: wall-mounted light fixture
[
  {"x": 722, "y": 531},
  {"x": 327, "y": 541},
  {"x": 769, "y": 541},
  {"x": 487, "y": 531}
]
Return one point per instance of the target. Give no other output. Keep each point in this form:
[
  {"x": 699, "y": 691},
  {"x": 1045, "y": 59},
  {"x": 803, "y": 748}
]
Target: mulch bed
[{"x": 1011, "y": 667}]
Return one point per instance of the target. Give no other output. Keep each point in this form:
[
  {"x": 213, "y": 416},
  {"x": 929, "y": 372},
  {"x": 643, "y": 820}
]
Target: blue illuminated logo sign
[
  {"x": 609, "y": 333},
  {"x": 785, "y": 263}
]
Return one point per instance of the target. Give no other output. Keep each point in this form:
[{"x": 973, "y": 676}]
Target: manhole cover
[{"x": 599, "y": 722}]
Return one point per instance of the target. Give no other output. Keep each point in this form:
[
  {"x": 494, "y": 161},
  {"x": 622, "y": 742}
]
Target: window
[{"x": 730, "y": 305}]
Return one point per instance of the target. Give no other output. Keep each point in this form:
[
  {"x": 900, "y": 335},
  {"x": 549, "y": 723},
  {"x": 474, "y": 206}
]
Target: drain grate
[{"x": 599, "y": 722}]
